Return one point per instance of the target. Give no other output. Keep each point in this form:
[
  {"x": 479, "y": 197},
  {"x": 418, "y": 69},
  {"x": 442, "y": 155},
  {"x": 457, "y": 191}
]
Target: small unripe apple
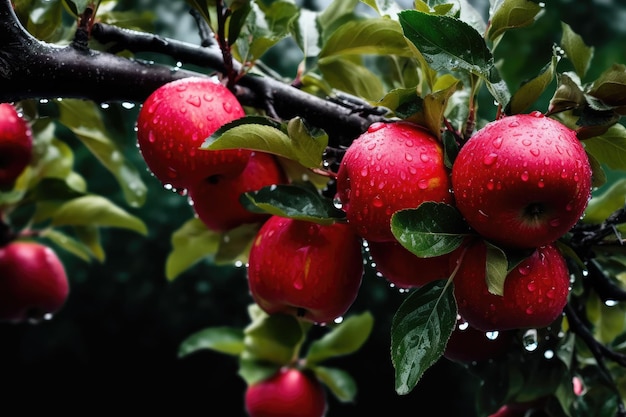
[
  {"x": 534, "y": 295},
  {"x": 174, "y": 122},
  {"x": 391, "y": 166},
  {"x": 310, "y": 270},
  {"x": 522, "y": 181},
  {"x": 33, "y": 282},
  {"x": 404, "y": 269},
  {"x": 16, "y": 144},
  {"x": 468, "y": 344},
  {"x": 290, "y": 392},
  {"x": 216, "y": 199}
]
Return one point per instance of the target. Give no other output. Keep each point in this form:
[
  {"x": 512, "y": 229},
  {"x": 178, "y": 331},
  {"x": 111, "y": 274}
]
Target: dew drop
[
  {"x": 555, "y": 222},
  {"x": 537, "y": 114},
  {"x": 424, "y": 157},
  {"x": 534, "y": 152},
  {"x": 422, "y": 184},
  {"x": 408, "y": 157},
  {"x": 524, "y": 269},
  {"x": 532, "y": 286},
  {"x": 529, "y": 340},
  {"x": 514, "y": 123},
  {"x": 525, "y": 176},
  {"x": 227, "y": 107},
  {"x": 527, "y": 142},
  {"x": 490, "y": 159},
  {"x": 377, "y": 202},
  {"x": 497, "y": 142},
  {"x": 375, "y": 126},
  {"x": 541, "y": 183},
  {"x": 490, "y": 185}
]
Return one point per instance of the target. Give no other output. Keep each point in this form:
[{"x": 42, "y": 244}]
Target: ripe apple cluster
[
  {"x": 172, "y": 125},
  {"x": 33, "y": 282},
  {"x": 520, "y": 183}
]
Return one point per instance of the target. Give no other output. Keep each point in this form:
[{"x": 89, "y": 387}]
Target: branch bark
[{"x": 30, "y": 69}]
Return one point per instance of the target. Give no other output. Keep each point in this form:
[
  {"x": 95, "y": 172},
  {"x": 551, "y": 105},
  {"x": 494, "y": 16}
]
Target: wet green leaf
[
  {"x": 511, "y": 14},
  {"x": 190, "y": 243},
  {"x": 610, "y": 147},
  {"x": 532, "y": 90},
  {"x": 432, "y": 229},
  {"x": 223, "y": 339},
  {"x": 420, "y": 331}
]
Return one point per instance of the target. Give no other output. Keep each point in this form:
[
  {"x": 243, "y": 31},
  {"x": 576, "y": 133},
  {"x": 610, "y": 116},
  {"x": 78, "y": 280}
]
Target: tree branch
[{"x": 30, "y": 68}]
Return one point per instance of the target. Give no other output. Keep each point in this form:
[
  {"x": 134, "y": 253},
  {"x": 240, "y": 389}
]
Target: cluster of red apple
[
  {"x": 521, "y": 183},
  {"x": 33, "y": 282}
]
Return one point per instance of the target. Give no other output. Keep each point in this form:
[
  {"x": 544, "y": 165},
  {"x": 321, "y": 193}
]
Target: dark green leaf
[
  {"x": 420, "y": 330},
  {"x": 568, "y": 95},
  {"x": 345, "y": 338},
  {"x": 228, "y": 340},
  {"x": 432, "y": 229},
  {"x": 610, "y": 87},
  {"x": 610, "y": 147},
  {"x": 298, "y": 201},
  {"x": 608, "y": 201}
]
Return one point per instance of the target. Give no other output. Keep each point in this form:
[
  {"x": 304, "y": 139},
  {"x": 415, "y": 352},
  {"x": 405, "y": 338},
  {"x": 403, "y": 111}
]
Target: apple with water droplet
[
  {"x": 534, "y": 294},
  {"x": 391, "y": 166},
  {"x": 403, "y": 268},
  {"x": 216, "y": 198},
  {"x": 33, "y": 282},
  {"x": 16, "y": 144},
  {"x": 289, "y": 392},
  {"x": 174, "y": 122},
  {"x": 522, "y": 181},
  {"x": 310, "y": 270}
]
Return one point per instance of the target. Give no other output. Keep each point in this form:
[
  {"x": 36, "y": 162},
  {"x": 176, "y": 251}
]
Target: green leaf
[
  {"x": 273, "y": 338},
  {"x": 420, "y": 330},
  {"x": 532, "y": 90},
  {"x": 351, "y": 76},
  {"x": 610, "y": 147},
  {"x": 375, "y": 36},
  {"x": 568, "y": 95},
  {"x": 435, "y": 103},
  {"x": 345, "y": 338},
  {"x": 496, "y": 269},
  {"x": 53, "y": 189},
  {"x": 610, "y": 88},
  {"x": 228, "y": 340},
  {"x": 511, "y": 14},
  {"x": 340, "y": 383},
  {"x": 298, "y": 201},
  {"x": 384, "y": 7},
  {"x": 263, "y": 134},
  {"x": 576, "y": 50},
  {"x": 190, "y": 243},
  {"x": 432, "y": 229},
  {"x": 69, "y": 244},
  {"x": 98, "y": 211},
  {"x": 83, "y": 119},
  {"x": 235, "y": 244},
  {"x": 90, "y": 237},
  {"x": 447, "y": 43},
  {"x": 602, "y": 205}
]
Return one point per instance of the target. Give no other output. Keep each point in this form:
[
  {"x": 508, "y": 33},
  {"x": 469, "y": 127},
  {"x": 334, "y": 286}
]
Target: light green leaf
[
  {"x": 347, "y": 337},
  {"x": 339, "y": 382},
  {"x": 610, "y": 147},
  {"x": 83, "y": 119},
  {"x": 604, "y": 204},
  {"x": 68, "y": 243},
  {"x": 495, "y": 269},
  {"x": 190, "y": 243},
  {"x": 530, "y": 91},
  {"x": 97, "y": 211},
  {"x": 228, "y": 340},
  {"x": 351, "y": 76},
  {"x": 511, "y": 14}
]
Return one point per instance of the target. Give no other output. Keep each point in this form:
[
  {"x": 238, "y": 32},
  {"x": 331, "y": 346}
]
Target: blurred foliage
[{"x": 118, "y": 337}]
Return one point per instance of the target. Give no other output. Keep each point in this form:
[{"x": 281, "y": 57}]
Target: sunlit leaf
[
  {"x": 339, "y": 382},
  {"x": 347, "y": 337},
  {"x": 602, "y": 205},
  {"x": 495, "y": 269},
  {"x": 190, "y": 243},
  {"x": 610, "y": 147},
  {"x": 511, "y": 14}
]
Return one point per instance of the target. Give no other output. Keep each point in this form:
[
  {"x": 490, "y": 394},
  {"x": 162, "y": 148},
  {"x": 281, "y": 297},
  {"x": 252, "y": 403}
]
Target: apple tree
[{"x": 320, "y": 146}]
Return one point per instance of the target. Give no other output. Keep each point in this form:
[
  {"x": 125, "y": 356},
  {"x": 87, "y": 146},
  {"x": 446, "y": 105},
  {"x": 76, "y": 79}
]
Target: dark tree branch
[{"x": 30, "y": 68}]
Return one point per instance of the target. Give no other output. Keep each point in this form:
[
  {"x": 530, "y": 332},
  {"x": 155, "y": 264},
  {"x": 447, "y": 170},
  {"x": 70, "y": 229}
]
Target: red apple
[
  {"x": 535, "y": 292},
  {"x": 392, "y": 166},
  {"x": 468, "y": 344},
  {"x": 173, "y": 123},
  {"x": 522, "y": 181},
  {"x": 16, "y": 144},
  {"x": 33, "y": 282},
  {"x": 404, "y": 269},
  {"x": 288, "y": 393},
  {"x": 306, "y": 269},
  {"x": 216, "y": 199}
]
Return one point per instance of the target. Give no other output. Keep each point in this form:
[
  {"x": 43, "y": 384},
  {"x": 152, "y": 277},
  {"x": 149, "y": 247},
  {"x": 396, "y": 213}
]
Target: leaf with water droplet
[
  {"x": 432, "y": 229},
  {"x": 511, "y": 14},
  {"x": 301, "y": 201},
  {"x": 420, "y": 330}
]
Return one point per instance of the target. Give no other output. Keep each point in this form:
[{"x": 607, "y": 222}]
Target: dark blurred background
[{"x": 114, "y": 345}]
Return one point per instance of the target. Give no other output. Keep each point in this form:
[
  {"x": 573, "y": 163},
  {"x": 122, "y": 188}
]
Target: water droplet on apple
[
  {"x": 541, "y": 183},
  {"x": 424, "y": 157},
  {"x": 548, "y": 354},
  {"x": 422, "y": 184},
  {"x": 531, "y": 286},
  {"x": 490, "y": 185},
  {"x": 408, "y": 157},
  {"x": 537, "y": 114},
  {"x": 535, "y": 152},
  {"x": 551, "y": 293},
  {"x": 527, "y": 142},
  {"x": 555, "y": 222},
  {"x": 377, "y": 202},
  {"x": 375, "y": 126},
  {"x": 490, "y": 159},
  {"x": 497, "y": 142},
  {"x": 227, "y": 107},
  {"x": 364, "y": 172},
  {"x": 207, "y": 97},
  {"x": 514, "y": 123},
  {"x": 524, "y": 269},
  {"x": 493, "y": 335}
]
